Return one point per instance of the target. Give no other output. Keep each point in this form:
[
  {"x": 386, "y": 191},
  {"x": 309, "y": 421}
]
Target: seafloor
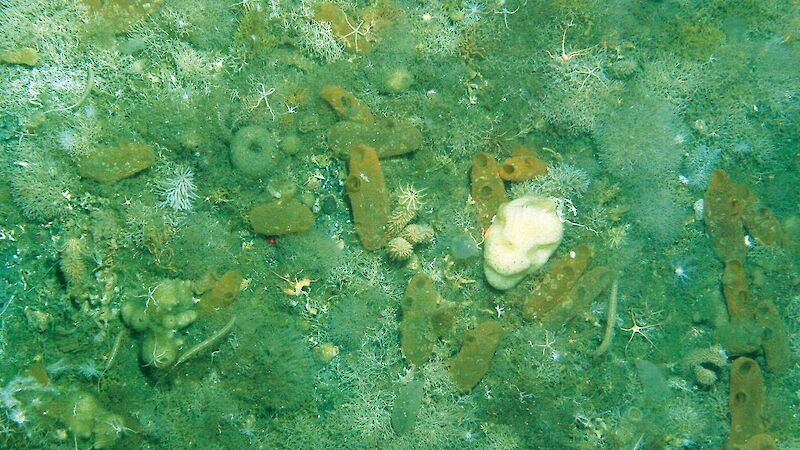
[{"x": 267, "y": 224}]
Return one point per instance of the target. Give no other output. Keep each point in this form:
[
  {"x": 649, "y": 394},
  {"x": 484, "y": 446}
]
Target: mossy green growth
[
  {"x": 313, "y": 253},
  {"x": 276, "y": 369},
  {"x": 282, "y": 217},
  {"x": 395, "y": 80},
  {"x": 654, "y": 384},
  {"x": 291, "y": 144},
  {"x": 352, "y": 316},
  {"x": 698, "y": 38},
  {"x": 256, "y": 34},
  {"x": 475, "y": 357},
  {"x": 202, "y": 244},
  {"x": 111, "y": 164}
]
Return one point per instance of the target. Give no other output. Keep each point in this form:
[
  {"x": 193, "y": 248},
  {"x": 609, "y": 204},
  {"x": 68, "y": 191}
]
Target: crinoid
[{"x": 410, "y": 198}]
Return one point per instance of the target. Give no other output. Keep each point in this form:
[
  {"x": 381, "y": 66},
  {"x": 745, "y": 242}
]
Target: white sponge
[{"x": 524, "y": 234}]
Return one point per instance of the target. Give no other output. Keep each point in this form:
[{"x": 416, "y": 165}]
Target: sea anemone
[{"x": 179, "y": 190}]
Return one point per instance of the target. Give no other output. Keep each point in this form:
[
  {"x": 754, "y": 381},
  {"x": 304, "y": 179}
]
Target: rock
[
  {"x": 522, "y": 165},
  {"x": 406, "y": 406},
  {"x": 369, "y": 199},
  {"x": 488, "y": 191},
  {"x": 424, "y": 319},
  {"x": 111, "y": 164},
  {"x": 389, "y": 137},
  {"x": 223, "y": 292},
  {"x": 475, "y": 357},
  {"x": 282, "y": 217},
  {"x": 25, "y": 56},
  {"x": 746, "y": 402},
  {"x": 346, "y": 105}
]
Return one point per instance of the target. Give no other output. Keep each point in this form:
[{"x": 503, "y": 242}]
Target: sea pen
[
  {"x": 112, "y": 356},
  {"x": 83, "y": 97},
  {"x": 209, "y": 341},
  {"x": 611, "y": 316}
]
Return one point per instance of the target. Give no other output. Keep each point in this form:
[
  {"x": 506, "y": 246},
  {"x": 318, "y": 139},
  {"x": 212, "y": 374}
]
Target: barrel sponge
[
  {"x": 524, "y": 234},
  {"x": 255, "y": 153}
]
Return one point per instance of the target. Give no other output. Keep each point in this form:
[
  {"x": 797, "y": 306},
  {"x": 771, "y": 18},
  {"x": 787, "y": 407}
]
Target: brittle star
[
  {"x": 564, "y": 56},
  {"x": 637, "y": 329},
  {"x": 548, "y": 344},
  {"x": 356, "y": 31},
  {"x": 150, "y": 296},
  {"x": 593, "y": 72},
  {"x": 506, "y": 12},
  {"x": 263, "y": 95}
]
